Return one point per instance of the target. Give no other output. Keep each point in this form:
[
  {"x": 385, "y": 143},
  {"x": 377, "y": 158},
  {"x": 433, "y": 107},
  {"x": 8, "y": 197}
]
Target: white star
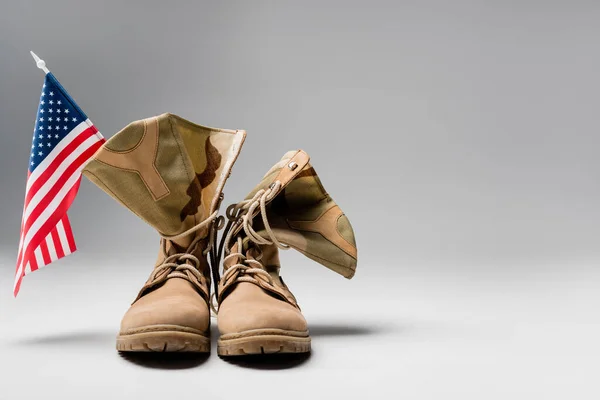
[
  {"x": 74, "y": 119},
  {"x": 50, "y": 127},
  {"x": 43, "y": 94},
  {"x": 56, "y": 136},
  {"x": 49, "y": 145},
  {"x": 57, "y": 127},
  {"x": 51, "y": 93},
  {"x": 66, "y": 111},
  {"x": 58, "y": 110},
  {"x": 41, "y": 128},
  {"x": 42, "y": 110},
  {"x": 49, "y": 136},
  {"x": 66, "y": 119},
  {"x": 50, "y": 111},
  {"x": 41, "y": 136},
  {"x": 49, "y": 118},
  {"x": 59, "y": 102},
  {"x": 51, "y": 102},
  {"x": 32, "y": 162},
  {"x": 42, "y": 119},
  {"x": 32, "y": 146},
  {"x": 44, "y": 85},
  {"x": 42, "y": 102},
  {"x": 40, "y": 145},
  {"x": 65, "y": 127},
  {"x": 40, "y": 153}
]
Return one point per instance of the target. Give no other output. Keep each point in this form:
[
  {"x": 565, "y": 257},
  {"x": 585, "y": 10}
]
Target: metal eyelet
[{"x": 293, "y": 165}]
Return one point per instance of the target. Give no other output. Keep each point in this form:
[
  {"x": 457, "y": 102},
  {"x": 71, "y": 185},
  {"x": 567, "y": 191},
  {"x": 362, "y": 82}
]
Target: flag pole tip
[{"x": 41, "y": 64}]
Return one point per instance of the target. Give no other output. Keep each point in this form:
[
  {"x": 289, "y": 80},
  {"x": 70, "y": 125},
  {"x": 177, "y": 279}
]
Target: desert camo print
[
  {"x": 304, "y": 216},
  {"x": 167, "y": 170}
]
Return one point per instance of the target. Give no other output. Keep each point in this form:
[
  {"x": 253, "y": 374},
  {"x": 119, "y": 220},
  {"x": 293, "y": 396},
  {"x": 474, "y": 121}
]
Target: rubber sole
[
  {"x": 263, "y": 341},
  {"x": 167, "y": 338}
]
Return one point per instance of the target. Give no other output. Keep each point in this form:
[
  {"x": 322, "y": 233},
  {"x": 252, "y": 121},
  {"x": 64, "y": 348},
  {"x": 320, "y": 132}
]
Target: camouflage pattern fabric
[{"x": 167, "y": 170}]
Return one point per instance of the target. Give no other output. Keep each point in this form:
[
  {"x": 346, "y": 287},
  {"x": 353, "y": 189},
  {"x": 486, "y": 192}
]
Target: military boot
[
  {"x": 257, "y": 313},
  {"x": 170, "y": 172}
]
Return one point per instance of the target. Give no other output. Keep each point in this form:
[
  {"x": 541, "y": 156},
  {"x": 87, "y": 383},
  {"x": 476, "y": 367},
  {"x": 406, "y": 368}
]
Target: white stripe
[
  {"x": 27, "y": 270},
  {"x": 56, "y": 151},
  {"x": 20, "y": 271},
  {"x": 57, "y": 174},
  {"x": 51, "y": 248},
  {"x": 63, "y": 237},
  {"x": 39, "y": 257}
]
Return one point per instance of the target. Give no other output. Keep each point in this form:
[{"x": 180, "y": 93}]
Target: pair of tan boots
[{"x": 171, "y": 172}]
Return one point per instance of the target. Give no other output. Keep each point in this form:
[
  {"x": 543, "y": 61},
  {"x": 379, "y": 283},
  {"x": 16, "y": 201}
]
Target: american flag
[{"x": 63, "y": 140}]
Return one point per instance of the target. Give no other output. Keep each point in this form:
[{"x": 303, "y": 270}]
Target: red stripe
[
  {"x": 20, "y": 255},
  {"x": 18, "y": 285},
  {"x": 69, "y": 232},
  {"x": 77, "y": 140},
  {"x": 45, "y": 252},
  {"x": 62, "y": 209},
  {"x": 57, "y": 244},
  {"x": 32, "y": 263}
]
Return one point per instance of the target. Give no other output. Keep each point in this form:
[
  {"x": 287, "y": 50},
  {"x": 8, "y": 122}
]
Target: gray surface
[{"x": 461, "y": 139}]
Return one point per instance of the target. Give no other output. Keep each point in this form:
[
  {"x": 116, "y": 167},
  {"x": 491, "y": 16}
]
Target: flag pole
[{"x": 41, "y": 64}]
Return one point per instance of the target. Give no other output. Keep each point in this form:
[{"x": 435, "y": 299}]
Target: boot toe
[
  {"x": 249, "y": 307},
  {"x": 185, "y": 308}
]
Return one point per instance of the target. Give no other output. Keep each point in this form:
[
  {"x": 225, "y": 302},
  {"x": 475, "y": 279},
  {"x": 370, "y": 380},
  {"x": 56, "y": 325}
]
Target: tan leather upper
[
  {"x": 176, "y": 302},
  {"x": 245, "y": 306},
  {"x": 249, "y": 307}
]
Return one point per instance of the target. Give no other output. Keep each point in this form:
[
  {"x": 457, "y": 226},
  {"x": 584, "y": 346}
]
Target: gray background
[{"x": 461, "y": 138}]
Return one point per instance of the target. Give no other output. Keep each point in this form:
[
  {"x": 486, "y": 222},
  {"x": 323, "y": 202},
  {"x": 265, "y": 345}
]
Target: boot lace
[
  {"x": 242, "y": 213},
  {"x": 185, "y": 264}
]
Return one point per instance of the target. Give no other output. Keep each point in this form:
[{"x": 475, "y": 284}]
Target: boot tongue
[{"x": 168, "y": 171}]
